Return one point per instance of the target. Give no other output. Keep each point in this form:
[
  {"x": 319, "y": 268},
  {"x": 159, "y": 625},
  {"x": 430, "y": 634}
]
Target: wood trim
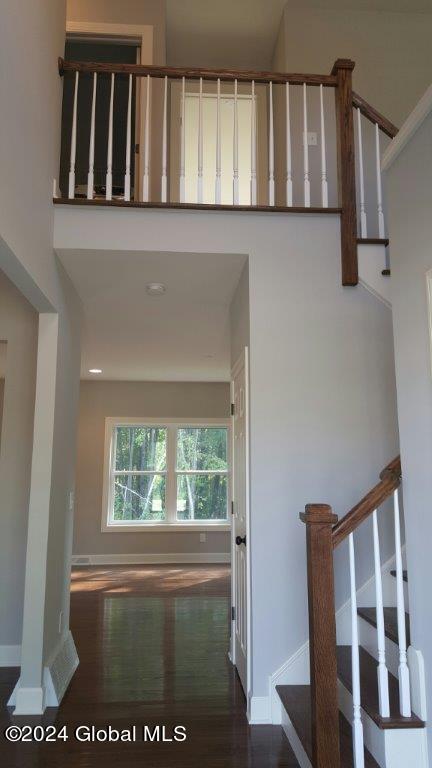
[
  {"x": 373, "y": 241},
  {"x": 343, "y": 68},
  {"x": 190, "y": 206},
  {"x": 390, "y": 480},
  {"x": 374, "y": 116},
  {"x": 319, "y": 520},
  {"x": 190, "y": 73}
]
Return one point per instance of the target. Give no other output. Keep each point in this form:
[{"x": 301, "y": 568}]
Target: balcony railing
[{"x": 161, "y": 136}]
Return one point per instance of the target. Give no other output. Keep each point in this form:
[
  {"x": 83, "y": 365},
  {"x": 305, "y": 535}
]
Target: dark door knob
[{"x": 240, "y": 540}]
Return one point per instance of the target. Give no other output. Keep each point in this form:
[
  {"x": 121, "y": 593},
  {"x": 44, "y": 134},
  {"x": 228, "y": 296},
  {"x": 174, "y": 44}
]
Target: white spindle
[
  {"x": 324, "y": 184},
  {"x": 289, "y": 179},
  {"x": 218, "y": 183},
  {"x": 200, "y": 143},
  {"x": 253, "y": 148},
  {"x": 164, "y": 181},
  {"x": 146, "y": 176},
  {"x": 382, "y": 671},
  {"x": 271, "y": 150},
  {"x": 357, "y": 725},
  {"x": 73, "y": 140},
  {"x": 182, "y": 143},
  {"x": 127, "y": 184},
  {"x": 404, "y": 680},
  {"x": 108, "y": 193},
  {"x": 235, "y": 148},
  {"x": 90, "y": 175},
  {"x": 381, "y": 225},
  {"x": 363, "y": 217},
  {"x": 305, "y": 150}
]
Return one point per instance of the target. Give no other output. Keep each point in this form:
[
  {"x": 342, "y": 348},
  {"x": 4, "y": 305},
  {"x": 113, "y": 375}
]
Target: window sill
[{"x": 167, "y": 528}]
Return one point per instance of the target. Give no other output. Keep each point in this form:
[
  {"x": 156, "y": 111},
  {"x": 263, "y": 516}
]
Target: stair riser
[
  {"x": 296, "y": 745},
  {"x": 368, "y": 639},
  {"x": 391, "y": 748}
]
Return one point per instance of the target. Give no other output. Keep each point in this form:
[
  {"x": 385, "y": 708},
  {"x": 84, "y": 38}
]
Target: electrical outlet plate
[
  {"x": 312, "y": 138},
  {"x": 203, "y": 538}
]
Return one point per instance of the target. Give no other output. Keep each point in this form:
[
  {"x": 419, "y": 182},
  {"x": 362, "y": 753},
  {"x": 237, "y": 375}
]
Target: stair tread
[
  {"x": 369, "y": 690},
  {"x": 390, "y": 622},
  {"x": 405, "y": 575},
  {"x": 297, "y": 703}
]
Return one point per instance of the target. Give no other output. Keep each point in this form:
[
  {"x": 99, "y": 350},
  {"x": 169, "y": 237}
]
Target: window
[{"x": 165, "y": 474}]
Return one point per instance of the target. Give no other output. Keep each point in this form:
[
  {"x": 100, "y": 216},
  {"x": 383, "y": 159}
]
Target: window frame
[{"x": 170, "y": 523}]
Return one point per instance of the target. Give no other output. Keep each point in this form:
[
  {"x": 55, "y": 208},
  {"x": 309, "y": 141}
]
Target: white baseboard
[
  {"x": 158, "y": 559},
  {"x": 259, "y": 710},
  {"x": 10, "y": 655},
  {"x": 57, "y": 675}
]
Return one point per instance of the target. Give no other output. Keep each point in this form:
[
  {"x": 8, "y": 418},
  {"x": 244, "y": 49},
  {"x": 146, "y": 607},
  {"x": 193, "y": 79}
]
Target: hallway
[{"x": 152, "y": 643}]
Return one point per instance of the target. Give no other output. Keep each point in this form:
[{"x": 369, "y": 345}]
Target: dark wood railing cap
[
  {"x": 321, "y": 514},
  {"x": 342, "y": 64}
]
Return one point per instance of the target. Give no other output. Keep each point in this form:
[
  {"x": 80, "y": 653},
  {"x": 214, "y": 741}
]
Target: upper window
[{"x": 166, "y": 474}]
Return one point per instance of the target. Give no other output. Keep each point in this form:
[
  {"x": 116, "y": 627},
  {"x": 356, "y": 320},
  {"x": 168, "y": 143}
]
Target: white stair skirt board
[
  {"x": 371, "y": 262},
  {"x": 141, "y": 559},
  {"x": 10, "y": 655},
  {"x": 57, "y": 675},
  {"x": 296, "y": 745},
  {"x": 391, "y": 748}
]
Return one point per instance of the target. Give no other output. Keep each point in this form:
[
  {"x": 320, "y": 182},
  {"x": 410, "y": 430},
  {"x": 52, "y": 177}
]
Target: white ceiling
[
  {"x": 180, "y": 336},
  {"x": 243, "y": 33}
]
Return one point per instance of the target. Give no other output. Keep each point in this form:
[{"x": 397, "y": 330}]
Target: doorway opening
[{"x": 99, "y": 49}]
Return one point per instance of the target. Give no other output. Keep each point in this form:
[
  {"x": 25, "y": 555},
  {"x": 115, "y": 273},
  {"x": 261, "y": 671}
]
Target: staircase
[{"x": 350, "y": 714}]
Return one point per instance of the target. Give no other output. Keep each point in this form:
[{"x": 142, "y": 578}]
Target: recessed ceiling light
[
  {"x": 95, "y": 370},
  {"x": 155, "y": 289}
]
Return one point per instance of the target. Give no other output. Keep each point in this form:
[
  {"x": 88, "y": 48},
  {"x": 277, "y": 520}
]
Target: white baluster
[
  {"x": 253, "y": 148},
  {"x": 182, "y": 143},
  {"x": 403, "y": 671},
  {"x": 324, "y": 185},
  {"x": 108, "y": 193},
  {"x": 382, "y": 671},
  {"x": 200, "y": 143},
  {"x": 146, "y": 177},
  {"x": 90, "y": 175},
  {"x": 357, "y": 725},
  {"x": 381, "y": 224},
  {"x": 127, "y": 184},
  {"x": 164, "y": 181},
  {"x": 305, "y": 150},
  {"x": 73, "y": 140},
  {"x": 271, "y": 150},
  {"x": 363, "y": 217},
  {"x": 289, "y": 179},
  {"x": 235, "y": 148},
  {"x": 218, "y": 183}
]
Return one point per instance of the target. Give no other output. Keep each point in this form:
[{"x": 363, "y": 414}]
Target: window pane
[
  {"x": 202, "y": 448},
  {"x": 139, "y": 497},
  {"x": 140, "y": 448},
  {"x": 201, "y": 497}
]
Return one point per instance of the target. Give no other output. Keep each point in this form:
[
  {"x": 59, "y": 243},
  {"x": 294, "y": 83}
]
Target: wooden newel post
[
  {"x": 342, "y": 70},
  {"x": 319, "y": 520}
]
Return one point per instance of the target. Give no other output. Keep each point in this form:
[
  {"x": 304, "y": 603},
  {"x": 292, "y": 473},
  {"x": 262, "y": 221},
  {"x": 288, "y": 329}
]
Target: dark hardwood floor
[{"x": 152, "y": 642}]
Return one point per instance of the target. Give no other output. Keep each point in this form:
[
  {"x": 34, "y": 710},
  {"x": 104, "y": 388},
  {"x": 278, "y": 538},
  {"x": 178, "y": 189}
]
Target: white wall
[
  {"x": 409, "y": 194},
  {"x": 101, "y": 399},
  {"x": 29, "y": 159},
  {"x": 323, "y": 414},
  {"x": 392, "y": 51},
  {"x": 239, "y": 317},
  {"x": 18, "y": 326}
]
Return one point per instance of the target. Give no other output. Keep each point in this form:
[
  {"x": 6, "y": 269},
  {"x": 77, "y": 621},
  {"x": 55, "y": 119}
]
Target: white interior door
[{"x": 240, "y": 528}]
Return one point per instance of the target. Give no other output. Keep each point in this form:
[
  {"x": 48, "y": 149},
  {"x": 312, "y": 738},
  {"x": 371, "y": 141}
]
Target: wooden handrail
[
  {"x": 374, "y": 116},
  {"x": 390, "y": 480},
  {"x": 190, "y": 73}
]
